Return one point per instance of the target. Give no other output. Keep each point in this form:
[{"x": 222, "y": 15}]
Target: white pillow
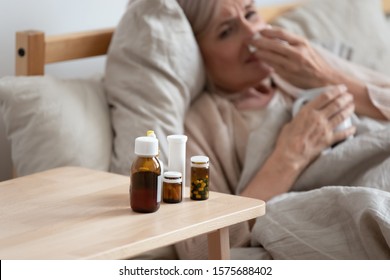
[
  {"x": 52, "y": 123},
  {"x": 153, "y": 71},
  {"x": 358, "y": 24}
]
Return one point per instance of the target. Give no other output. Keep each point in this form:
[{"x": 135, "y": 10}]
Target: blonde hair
[{"x": 200, "y": 14}]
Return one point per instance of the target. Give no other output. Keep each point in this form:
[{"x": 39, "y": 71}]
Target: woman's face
[{"x": 224, "y": 46}]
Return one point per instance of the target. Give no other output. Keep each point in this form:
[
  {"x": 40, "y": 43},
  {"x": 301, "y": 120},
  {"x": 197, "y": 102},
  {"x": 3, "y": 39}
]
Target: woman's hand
[
  {"x": 293, "y": 58},
  {"x": 301, "y": 141},
  {"x": 313, "y": 129}
]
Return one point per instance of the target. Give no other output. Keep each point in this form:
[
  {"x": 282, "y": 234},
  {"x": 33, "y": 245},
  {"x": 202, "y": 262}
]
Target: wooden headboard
[{"x": 34, "y": 50}]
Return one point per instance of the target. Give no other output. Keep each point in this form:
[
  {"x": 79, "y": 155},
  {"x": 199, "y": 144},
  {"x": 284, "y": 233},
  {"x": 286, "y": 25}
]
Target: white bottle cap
[
  {"x": 172, "y": 177},
  {"x": 146, "y": 146},
  {"x": 199, "y": 161},
  {"x": 177, "y": 138}
]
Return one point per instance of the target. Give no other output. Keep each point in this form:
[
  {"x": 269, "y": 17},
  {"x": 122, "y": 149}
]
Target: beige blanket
[
  {"x": 216, "y": 129},
  {"x": 327, "y": 223},
  {"x": 338, "y": 222}
]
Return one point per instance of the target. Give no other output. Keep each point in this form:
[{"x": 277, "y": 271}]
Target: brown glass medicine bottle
[
  {"x": 199, "y": 178},
  {"x": 172, "y": 187},
  {"x": 145, "y": 180}
]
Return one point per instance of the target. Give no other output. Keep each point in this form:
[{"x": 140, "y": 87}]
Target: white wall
[{"x": 52, "y": 17}]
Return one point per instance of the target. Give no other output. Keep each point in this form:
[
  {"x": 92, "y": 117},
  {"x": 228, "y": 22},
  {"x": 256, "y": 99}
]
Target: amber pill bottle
[
  {"x": 172, "y": 187},
  {"x": 199, "y": 178},
  {"x": 145, "y": 178}
]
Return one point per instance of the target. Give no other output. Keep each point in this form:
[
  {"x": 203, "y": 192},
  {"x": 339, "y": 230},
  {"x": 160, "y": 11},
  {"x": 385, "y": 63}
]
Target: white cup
[{"x": 311, "y": 94}]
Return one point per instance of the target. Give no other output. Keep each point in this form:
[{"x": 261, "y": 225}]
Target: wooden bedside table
[{"x": 78, "y": 213}]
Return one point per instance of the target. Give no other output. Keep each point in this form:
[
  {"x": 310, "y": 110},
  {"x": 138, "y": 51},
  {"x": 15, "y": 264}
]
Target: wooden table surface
[{"x": 78, "y": 213}]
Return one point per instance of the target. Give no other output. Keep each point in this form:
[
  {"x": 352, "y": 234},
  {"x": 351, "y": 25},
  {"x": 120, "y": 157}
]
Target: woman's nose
[{"x": 251, "y": 29}]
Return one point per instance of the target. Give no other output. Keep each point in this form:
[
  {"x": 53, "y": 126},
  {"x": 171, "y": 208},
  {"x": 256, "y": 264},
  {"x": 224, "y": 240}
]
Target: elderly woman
[{"x": 254, "y": 72}]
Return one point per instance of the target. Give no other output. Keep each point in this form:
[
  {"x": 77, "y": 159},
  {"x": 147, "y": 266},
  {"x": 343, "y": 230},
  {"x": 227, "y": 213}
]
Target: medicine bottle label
[{"x": 159, "y": 188}]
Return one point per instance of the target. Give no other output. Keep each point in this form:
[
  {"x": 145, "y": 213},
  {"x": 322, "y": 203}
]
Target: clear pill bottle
[
  {"x": 145, "y": 176},
  {"x": 172, "y": 187},
  {"x": 199, "y": 178}
]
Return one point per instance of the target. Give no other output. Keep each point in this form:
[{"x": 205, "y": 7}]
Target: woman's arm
[
  {"x": 358, "y": 89},
  {"x": 275, "y": 177},
  {"x": 301, "y": 141},
  {"x": 303, "y": 66}
]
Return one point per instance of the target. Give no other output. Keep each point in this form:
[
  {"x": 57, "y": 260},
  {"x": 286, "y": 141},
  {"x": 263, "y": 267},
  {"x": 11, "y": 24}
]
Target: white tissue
[{"x": 253, "y": 49}]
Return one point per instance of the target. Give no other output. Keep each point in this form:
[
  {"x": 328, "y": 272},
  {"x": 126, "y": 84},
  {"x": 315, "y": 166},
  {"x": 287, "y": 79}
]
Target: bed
[{"x": 82, "y": 130}]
